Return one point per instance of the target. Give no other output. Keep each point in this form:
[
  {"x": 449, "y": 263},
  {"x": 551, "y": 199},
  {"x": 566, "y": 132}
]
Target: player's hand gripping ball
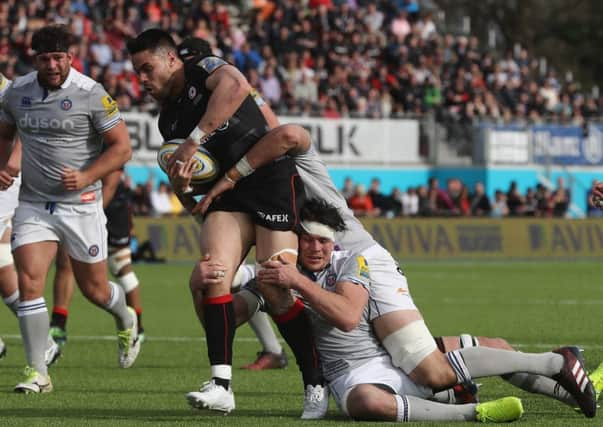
[{"x": 206, "y": 168}]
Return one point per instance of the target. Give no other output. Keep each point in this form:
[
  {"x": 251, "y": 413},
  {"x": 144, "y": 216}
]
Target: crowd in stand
[
  {"x": 430, "y": 200},
  {"x": 327, "y": 58},
  {"x": 456, "y": 200}
]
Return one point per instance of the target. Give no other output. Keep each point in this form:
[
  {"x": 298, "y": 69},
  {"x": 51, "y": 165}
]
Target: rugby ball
[{"x": 206, "y": 167}]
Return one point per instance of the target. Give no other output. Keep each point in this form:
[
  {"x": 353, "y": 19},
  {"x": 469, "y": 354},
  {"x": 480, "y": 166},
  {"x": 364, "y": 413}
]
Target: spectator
[
  {"x": 500, "y": 208},
  {"x": 270, "y": 86},
  {"x": 592, "y": 211},
  {"x": 361, "y": 203},
  {"x": 348, "y": 188},
  {"x": 410, "y": 202},
  {"x": 160, "y": 201},
  {"x": 531, "y": 204},
  {"x": 561, "y": 199},
  {"x": 514, "y": 200},
  {"x": 480, "y": 203}
]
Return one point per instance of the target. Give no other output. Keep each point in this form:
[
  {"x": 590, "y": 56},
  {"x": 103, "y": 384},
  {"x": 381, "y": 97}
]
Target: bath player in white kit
[
  {"x": 396, "y": 320},
  {"x": 62, "y": 119}
]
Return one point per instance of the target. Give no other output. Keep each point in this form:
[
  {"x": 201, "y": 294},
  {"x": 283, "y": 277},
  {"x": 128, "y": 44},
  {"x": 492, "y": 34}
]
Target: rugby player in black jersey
[{"x": 207, "y": 101}]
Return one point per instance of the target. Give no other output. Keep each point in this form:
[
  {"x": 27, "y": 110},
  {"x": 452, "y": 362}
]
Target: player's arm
[
  {"x": 342, "y": 308},
  {"x": 10, "y": 154},
  {"x": 228, "y": 88},
  {"x": 117, "y": 153},
  {"x": 287, "y": 139}
]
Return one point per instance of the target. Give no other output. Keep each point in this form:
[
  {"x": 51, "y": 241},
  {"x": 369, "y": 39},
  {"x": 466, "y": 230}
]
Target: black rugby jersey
[{"x": 234, "y": 137}]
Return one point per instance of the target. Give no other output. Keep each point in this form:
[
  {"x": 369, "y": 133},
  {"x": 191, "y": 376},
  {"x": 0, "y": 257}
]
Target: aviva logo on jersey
[
  {"x": 109, "y": 105},
  {"x": 363, "y": 269}
]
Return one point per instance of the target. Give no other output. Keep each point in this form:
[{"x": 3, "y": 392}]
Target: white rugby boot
[
  {"x": 52, "y": 352},
  {"x": 128, "y": 343},
  {"x": 34, "y": 382},
  {"x": 212, "y": 396},
  {"x": 316, "y": 402}
]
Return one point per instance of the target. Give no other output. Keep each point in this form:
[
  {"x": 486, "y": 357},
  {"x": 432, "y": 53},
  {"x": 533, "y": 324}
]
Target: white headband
[{"x": 318, "y": 229}]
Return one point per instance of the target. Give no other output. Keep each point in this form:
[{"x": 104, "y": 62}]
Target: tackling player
[
  {"x": 334, "y": 290},
  {"x": 62, "y": 118},
  {"x": 397, "y": 321},
  {"x": 208, "y": 101}
]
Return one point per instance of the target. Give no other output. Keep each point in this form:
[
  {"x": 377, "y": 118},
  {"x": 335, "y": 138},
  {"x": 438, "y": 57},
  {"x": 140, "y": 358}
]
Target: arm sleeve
[{"x": 103, "y": 110}]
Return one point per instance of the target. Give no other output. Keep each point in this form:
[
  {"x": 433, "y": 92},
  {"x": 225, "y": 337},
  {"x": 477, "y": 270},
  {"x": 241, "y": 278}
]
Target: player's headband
[
  {"x": 318, "y": 229},
  {"x": 48, "y": 46}
]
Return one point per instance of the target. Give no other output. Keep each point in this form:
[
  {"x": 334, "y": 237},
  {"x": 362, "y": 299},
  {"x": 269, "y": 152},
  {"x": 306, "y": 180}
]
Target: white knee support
[
  {"x": 466, "y": 340},
  {"x": 118, "y": 260},
  {"x": 128, "y": 281},
  {"x": 274, "y": 257},
  {"x": 6, "y": 256},
  {"x": 243, "y": 275},
  {"x": 409, "y": 345}
]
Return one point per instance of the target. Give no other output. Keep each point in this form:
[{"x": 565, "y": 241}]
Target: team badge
[
  {"x": 363, "y": 269},
  {"x": 66, "y": 104},
  {"x": 109, "y": 105},
  {"x": 331, "y": 279},
  {"x": 93, "y": 250},
  {"x": 192, "y": 92},
  {"x": 211, "y": 63},
  {"x": 26, "y": 101}
]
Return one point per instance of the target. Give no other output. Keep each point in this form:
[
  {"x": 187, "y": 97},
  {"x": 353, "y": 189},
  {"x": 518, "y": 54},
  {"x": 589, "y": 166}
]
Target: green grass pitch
[{"x": 536, "y": 306}]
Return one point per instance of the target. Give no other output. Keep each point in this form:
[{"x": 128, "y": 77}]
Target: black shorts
[
  {"x": 272, "y": 196},
  {"x": 119, "y": 224}
]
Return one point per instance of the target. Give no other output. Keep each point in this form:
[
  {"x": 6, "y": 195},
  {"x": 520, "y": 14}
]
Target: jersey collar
[{"x": 69, "y": 78}]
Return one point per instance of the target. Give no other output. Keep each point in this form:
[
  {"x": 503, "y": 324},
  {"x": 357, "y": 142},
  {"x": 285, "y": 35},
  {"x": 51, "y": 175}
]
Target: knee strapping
[
  {"x": 274, "y": 257},
  {"x": 6, "y": 256},
  {"x": 119, "y": 260},
  {"x": 128, "y": 281},
  {"x": 409, "y": 345}
]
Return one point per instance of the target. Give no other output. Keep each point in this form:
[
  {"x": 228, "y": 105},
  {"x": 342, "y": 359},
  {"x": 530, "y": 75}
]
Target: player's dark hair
[
  {"x": 52, "y": 38},
  {"x": 152, "y": 40},
  {"x": 318, "y": 210}
]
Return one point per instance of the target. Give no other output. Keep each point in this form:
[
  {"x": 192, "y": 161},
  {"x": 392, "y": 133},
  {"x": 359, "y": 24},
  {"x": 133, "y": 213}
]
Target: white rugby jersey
[
  {"x": 341, "y": 351},
  {"x": 10, "y": 197},
  {"x": 318, "y": 184},
  {"x": 58, "y": 128}
]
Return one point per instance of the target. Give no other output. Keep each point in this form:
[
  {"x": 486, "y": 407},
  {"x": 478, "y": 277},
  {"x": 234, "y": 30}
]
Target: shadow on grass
[{"x": 140, "y": 414}]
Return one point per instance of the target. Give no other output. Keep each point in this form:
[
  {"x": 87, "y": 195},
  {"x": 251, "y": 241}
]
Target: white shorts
[
  {"x": 378, "y": 370},
  {"x": 81, "y": 228},
  {"x": 5, "y": 224},
  {"x": 389, "y": 288}
]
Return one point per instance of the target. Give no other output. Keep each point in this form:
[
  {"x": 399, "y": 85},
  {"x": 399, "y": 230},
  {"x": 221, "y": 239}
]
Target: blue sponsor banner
[{"x": 567, "y": 145}]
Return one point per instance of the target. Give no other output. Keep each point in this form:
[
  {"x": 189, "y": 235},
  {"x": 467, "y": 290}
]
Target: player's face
[
  {"x": 156, "y": 72},
  {"x": 315, "y": 251},
  {"x": 53, "y": 68}
]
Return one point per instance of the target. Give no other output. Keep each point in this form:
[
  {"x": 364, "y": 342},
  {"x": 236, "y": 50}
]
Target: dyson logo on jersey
[{"x": 36, "y": 123}]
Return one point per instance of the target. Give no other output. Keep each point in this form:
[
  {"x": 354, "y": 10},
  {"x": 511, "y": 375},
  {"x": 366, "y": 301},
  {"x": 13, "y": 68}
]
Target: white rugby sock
[
  {"x": 411, "y": 408},
  {"x": 118, "y": 308},
  {"x": 260, "y": 324},
  {"x": 33, "y": 322},
  {"x": 477, "y": 362}
]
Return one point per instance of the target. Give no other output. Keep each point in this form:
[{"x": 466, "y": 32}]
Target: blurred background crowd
[{"x": 328, "y": 58}]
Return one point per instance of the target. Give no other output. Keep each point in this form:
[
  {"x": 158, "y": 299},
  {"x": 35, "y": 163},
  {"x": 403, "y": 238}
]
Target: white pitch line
[
  {"x": 252, "y": 339},
  {"x": 522, "y": 301}
]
